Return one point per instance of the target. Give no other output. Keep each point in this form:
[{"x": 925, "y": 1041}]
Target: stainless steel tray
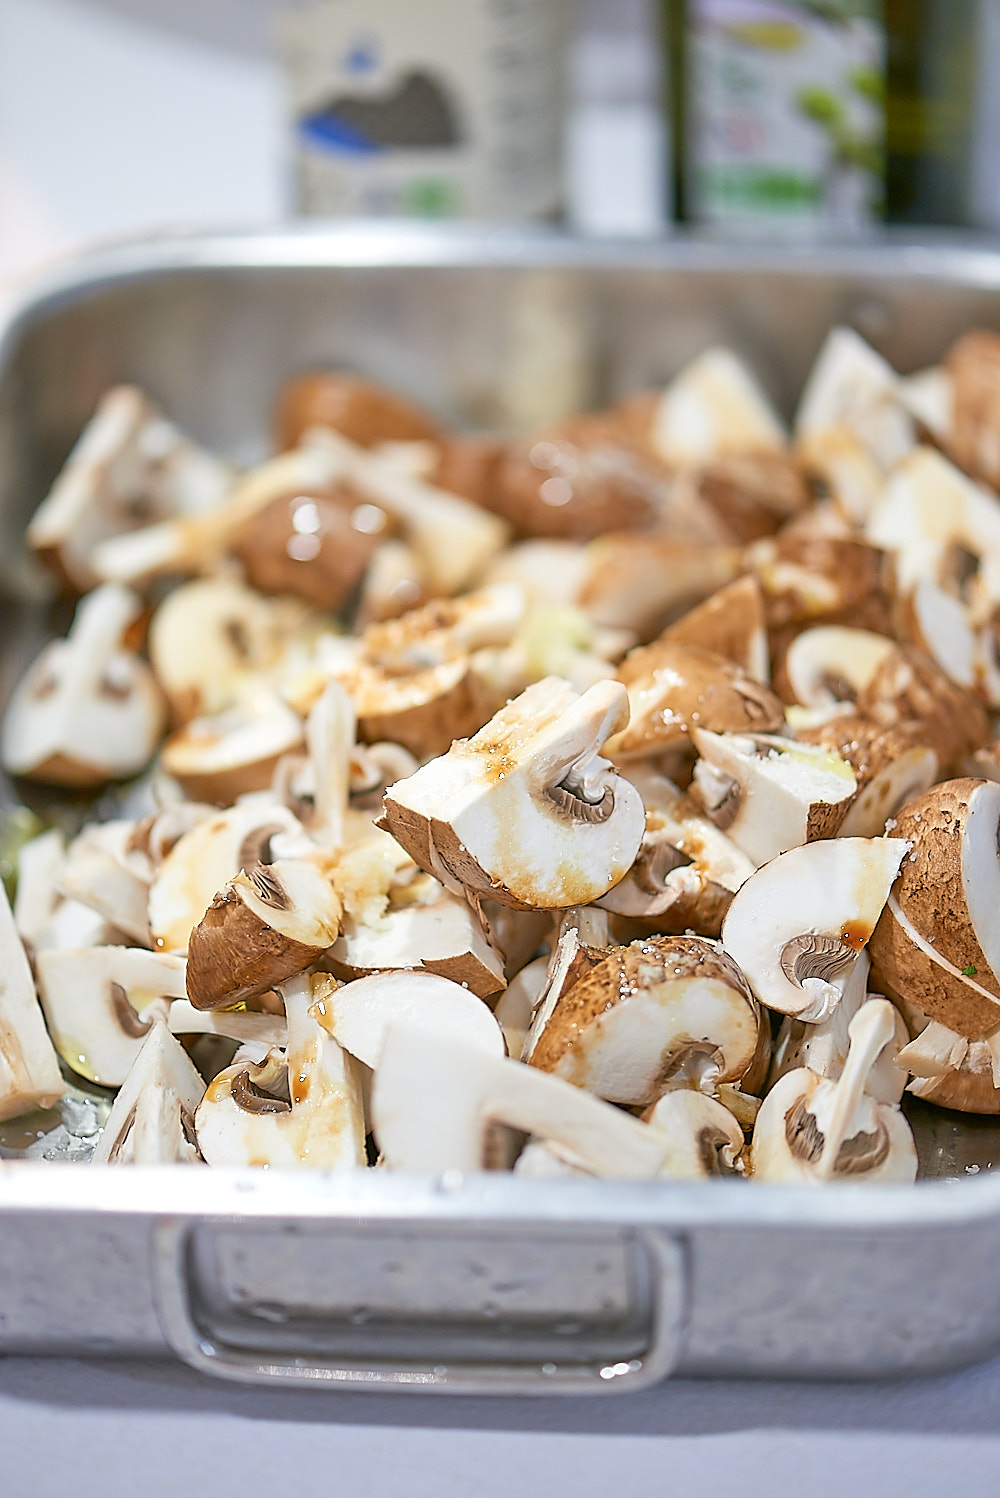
[{"x": 485, "y": 1283}]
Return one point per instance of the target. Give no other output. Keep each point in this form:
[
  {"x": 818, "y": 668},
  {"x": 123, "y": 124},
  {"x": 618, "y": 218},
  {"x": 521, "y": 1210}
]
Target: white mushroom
[
  {"x": 303, "y": 1108},
  {"x": 811, "y": 1130},
  {"x": 796, "y": 927},
  {"x": 359, "y": 1014},
  {"x": 29, "y": 1068},
  {"x": 152, "y": 1119},
  {"x": 243, "y": 1026},
  {"x": 39, "y": 865},
  {"x": 645, "y": 1015},
  {"x": 129, "y": 466},
  {"x": 88, "y": 710},
  {"x": 769, "y": 794},
  {"x": 100, "y": 1003},
  {"x": 527, "y": 811}
]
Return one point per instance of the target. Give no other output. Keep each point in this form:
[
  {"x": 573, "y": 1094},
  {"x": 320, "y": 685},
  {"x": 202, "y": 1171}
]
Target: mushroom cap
[
  {"x": 810, "y": 579},
  {"x": 908, "y": 689},
  {"x": 947, "y": 967},
  {"x": 365, "y": 412},
  {"x": 730, "y": 623},
  {"x": 627, "y": 1026},
  {"x": 235, "y": 752},
  {"x": 750, "y": 493},
  {"x": 674, "y": 688},
  {"x": 526, "y": 812},
  {"x": 358, "y": 1014},
  {"x": 929, "y": 504},
  {"x": 972, "y": 367},
  {"x": 796, "y": 927},
  {"x": 640, "y": 582},
  {"x": 314, "y": 547},
  {"x": 890, "y": 766}
]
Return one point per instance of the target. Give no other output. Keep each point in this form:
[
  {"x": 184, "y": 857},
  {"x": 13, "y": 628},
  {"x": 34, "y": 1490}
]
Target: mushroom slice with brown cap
[
  {"x": 266, "y": 925},
  {"x": 358, "y": 1014},
  {"x": 645, "y": 1014},
  {"x": 439, "y": 933},
  {"x": 798, "y": 924},
  {"x": 890, "y": 767},
  {"x": 453, "y": 538},
  {"x": 360, "y": 409},
  {"x": 686, "y": 872},
  {"x": 196, "y": 543},
  {"x": 830, "y": 665},
  {"x": 152, "y": 1119},
  {"x": 517, "y": 1003},
  {"x": 812, "y": 1130},
  {"x": 234, "y": 752},
  {"x": 316, "y": 547},
  {"x": 909, "y": 690},
  {"x": 29, "y": 1067},
  {"x": 87, "y": 711},
  {"x": 130, "y": 466},
  {"x": 211, "y": 640},
  {"x": 770, "y": 794},
  {"x": 944, "y": 628},
  {"x": 949, "y": 967},
  {"x": 303, "y": 1108},
  {"x": 714, "y": 407},
  {"x": 640, "y": 582},
  {"x": 673, "y": 689},
  {"x": 810, "y": 577},
  {"x": 823, "y": 1047},
  {"x": 526, "y": 812},
  {"x": 548, "y": 572},
  {"x": 100, "y": 1002},
  {"x": 257, "y": 830},
  {"x": 730, "y": 623},
  {"x": 434, "y": 1103}
]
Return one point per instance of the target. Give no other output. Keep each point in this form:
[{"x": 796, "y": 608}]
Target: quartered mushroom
[
  {"x": 706, "y": 1141},
  {"x": 527, "y": 812},
  {"x": 674, "y": 689},
  {"x": 641, "y": 583},
  {"x": 88, "y": 710},
  {"x": 937, "y": 943},
  {"x": 267, "y": 924},
  {"x": 657, "y": 1011},
  {"x": 749, "y": 494},
  {"x": 100, "y": 1003},
  {"x": 395, "y": 580},
  {"x": 944, "y": 627},
  {"x": 302, "y": 1107},
  {"x": 190, "y": 875},
  {"x": 797, "y": 926},
  {"x": 232, "y": 753},
  {"x": 967, "y": 405},
  {"x": 713, "y": 408},
  {"x": 29, "y": 1067},
  {"x": 907, "y": 689},
  {"x": 854, "y": 392},
  {"x": 686, "y": 871},
  {"x": 152, "y": 1119},
  {"x": 928, "y": 507},
  {"x": 810, "y": 1129},
  {"x": 890, "y": 766},
  {"x": 517, "y": 1003},
  {"x": 810, "y": 577},
  {"x": 130, "y": 466},
  {"x": 35, "y": 900},
  {"x": 435, "y": 1103},
  {"x": 102, "y": 870},
  {"x": 433, "y": 930},
  {"x": 359, "y": 1014},
  {"x": 948, "y": 1069},
  {"x": 769, "y": 794},
  {"x": 245, "y": 1026},
  {"x": 316, "y": 547},
  {"x": 731, "y": 623},
  {"x": 367, "y": 413},
  {"x": 823, "y": 1047}
]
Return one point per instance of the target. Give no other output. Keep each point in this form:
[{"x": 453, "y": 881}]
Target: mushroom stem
[
  {"x": 330, "y": 738},
  {"x": 870, "y": 1031},
  {"x": 101, "y": 620}
]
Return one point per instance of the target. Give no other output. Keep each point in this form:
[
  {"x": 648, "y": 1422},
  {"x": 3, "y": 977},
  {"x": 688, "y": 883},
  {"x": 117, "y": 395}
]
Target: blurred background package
[
  {"x": 808, "y": 116},
  {"x": 435, "y": 108}
]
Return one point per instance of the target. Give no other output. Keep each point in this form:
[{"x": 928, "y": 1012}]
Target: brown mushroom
[
  {"x": 365, "y": 412},
  {"x": 313, "y": 546}
]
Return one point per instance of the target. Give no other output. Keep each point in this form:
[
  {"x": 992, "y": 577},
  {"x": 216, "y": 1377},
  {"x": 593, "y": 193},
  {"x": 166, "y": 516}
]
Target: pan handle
[{"x": 284, "y": 1350}]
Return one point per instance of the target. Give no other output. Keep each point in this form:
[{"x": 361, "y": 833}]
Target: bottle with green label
[{"x": 821, "y": 116}]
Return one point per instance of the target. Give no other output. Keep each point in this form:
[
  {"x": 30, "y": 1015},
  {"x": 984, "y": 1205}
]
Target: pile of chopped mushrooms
[{"x": 619, "y": 802}]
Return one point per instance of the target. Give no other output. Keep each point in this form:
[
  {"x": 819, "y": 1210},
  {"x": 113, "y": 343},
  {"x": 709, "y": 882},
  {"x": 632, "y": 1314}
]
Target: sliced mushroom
[
  {"x": 87, "y": 711},
  {"x": 312, "y": 546},
  {"x": 713, "y": 408},
  {"x": 823, "y": 1047},
  {"x": 359, "y": 1014},
  {"x": 730, "y": 623},
  {"x": 365, "y": 412},
  {"x": 201, "y": 861},
  {"x": 38, "y": 868},
  {"x": 152, "y": 1119},
  {"x": 244, "y": 1120},
  {"x": 943, "y": 627},
  {"x": 830, "y": 666},
  {"x": 811, "y": 1130},
  {"x": 100, "y": 1002},
  {"x": 640, "y": 583},
  {"x": 673, "y": 689},
  {"x": 232, "y": 753},
  {"x": 949, "y": 967},
  {"x": 129, "y": 467},
  {"x": 267, "y": 1030},
  {"x": 687, "y": 871},
  {"x": 890, "y": 767},
  {"x": 797, "y": 926},
  {"x": 706, "y": 1141},
  {"x": 211, "y": 640},
  {"x": 439, "y": 933},
  {"x": 769, "y": 794},
  {"x": 645, "y": 1015},
  {"x": 266, "y": 925},
  {"x": 433, "y": 1104},
  {"x": 810, "y": 578},
  {"x": 846, "y": 468},
  {"x": 100, "y": 871},
  {"x": 29, "y": 1068},
  {"x": 526, "y": 812}
]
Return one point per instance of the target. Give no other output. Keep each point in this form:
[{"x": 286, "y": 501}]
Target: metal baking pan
[{"x": 487, "y": 1283}]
